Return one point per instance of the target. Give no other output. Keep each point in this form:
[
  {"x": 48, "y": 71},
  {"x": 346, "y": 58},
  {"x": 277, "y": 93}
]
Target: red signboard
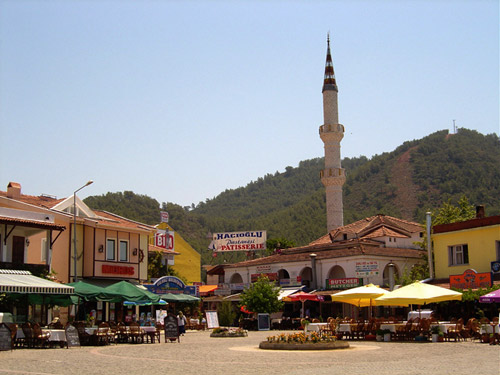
[
  {"x": 117, "y": 270},
  {"x": 470, "y": 279},
  {"x": 161, "y": 240}
]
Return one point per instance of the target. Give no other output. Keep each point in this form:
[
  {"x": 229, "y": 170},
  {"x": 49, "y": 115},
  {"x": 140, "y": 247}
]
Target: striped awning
[{"x": 15, "y": 281}]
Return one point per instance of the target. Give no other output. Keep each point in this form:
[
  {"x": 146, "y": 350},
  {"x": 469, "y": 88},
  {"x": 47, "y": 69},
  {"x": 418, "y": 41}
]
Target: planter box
[
  {"x": 308, "y": 346},
  {"x": 229, "y": 334}
]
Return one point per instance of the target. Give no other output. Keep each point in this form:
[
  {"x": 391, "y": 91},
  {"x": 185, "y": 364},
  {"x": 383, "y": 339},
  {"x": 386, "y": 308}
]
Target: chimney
[
  {"x": 480, "y": 212},
  {"x": 14, "y": 190}
]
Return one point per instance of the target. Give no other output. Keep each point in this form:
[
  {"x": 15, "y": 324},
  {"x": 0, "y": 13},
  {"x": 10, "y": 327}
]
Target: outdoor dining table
[
  {"x": 148, "y": 328},
  {"x": 346, "y": 327},
  {"x": 489, "y": 328},
  {"x": 444, "y": 326},
  {"x": 314, "y": 327},
  {"x": 393, "y": 327},
  {"x": 90, "y": 330},
  {"x": 55, "y": 334}
]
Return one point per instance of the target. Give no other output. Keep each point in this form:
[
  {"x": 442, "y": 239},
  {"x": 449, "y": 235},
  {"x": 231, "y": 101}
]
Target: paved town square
[{"x": 198, "y": 353}]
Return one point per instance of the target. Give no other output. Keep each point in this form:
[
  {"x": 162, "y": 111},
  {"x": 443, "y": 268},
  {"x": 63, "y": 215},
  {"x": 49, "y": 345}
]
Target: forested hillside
[{"x": 416, "y": 177}]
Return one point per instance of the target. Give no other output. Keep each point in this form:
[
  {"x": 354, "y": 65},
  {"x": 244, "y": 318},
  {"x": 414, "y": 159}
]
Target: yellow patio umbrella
[
  {"x": 362, "y": 296},
  {"x": 418, "y": 293}
]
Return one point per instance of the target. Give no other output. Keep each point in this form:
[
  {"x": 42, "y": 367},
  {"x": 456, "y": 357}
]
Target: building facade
[{"x": 467, "y": 245}]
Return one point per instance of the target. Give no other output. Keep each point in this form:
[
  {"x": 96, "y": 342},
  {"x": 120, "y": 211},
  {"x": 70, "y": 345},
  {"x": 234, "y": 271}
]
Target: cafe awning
[
  {"x": 23, "y": 282},
  {"x": 285, "y": 292}
]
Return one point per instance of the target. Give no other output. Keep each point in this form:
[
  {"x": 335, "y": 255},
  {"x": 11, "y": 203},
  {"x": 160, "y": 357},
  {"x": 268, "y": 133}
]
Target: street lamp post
[{"x": 75, "y": 253}]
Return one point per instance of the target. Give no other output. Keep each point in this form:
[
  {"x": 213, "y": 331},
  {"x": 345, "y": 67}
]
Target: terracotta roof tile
[
  {"x": 345, "y": 249},
  {"x": 42, "y": 201},
  {"x": 372, "y": 227},
  {"x": 31, "y": 223}
]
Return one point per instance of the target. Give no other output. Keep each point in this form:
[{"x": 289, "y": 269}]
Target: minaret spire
[
  {"x": 329, "y": 82},
  {"x": 331, "y": 133}
]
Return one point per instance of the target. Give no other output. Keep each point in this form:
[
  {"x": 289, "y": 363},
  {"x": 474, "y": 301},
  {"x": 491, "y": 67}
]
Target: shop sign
[
  {"x": 161, "y": 239},
  {"x": 272, "y": 276},
  {"x": 344, "y": 283},
  {"x": 222, "y": 292},
  {"x": 291, "y": 282},
  {"x": 238, "y": 286},
  {"x": 470, "y": 279},
  {"x": 265, "y": 268},
  {"x": 117, "y": 270},
  {"x": 164, "y": 216},
  {"x": 367, "y": 268},
  {"x": 239, "y": 241},
  {"x": 174, "y": 285}
]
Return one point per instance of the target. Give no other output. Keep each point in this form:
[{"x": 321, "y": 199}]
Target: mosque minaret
[{"x": 331, "y": 133}]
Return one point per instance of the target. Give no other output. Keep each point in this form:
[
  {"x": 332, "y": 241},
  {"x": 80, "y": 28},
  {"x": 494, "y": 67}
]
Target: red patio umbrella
[{"x": 302, "y": 297}]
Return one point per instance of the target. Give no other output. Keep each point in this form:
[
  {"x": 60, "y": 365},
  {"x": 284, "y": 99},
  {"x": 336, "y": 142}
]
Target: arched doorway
[
  {"x": 283, "y": 275},
  {"x": 385, "y": 274},
  {"x": 306, "y": 276},
  {"x": 236, "y": 279},
  {"x": 336, "y": 272}
]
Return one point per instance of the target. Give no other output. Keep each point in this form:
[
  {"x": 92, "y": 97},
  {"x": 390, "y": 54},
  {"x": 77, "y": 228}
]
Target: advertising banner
[
  {"x": 239, "y": 241},
  {"x": 367, "y": 268}
]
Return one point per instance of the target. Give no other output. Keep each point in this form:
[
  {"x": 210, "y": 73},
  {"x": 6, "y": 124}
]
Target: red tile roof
[
  {"x": 105, "y": 218},
  {"x": 31, "y": 223},
  {"x": 371, "y": 227},
  {"x": 468, "y": 224},
  {"x": 333, "y": 250},
  {"x": 42, "y": 201}
]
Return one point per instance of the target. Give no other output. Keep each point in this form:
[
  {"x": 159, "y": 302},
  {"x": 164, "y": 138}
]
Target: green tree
[
  {"x": 262, "y": 297},
  {"x": 226, "y": 314},
  {"x": 448, "y": 213},
  {"x": 273, "y": 244},
  {"x": 157, "y": 269}
]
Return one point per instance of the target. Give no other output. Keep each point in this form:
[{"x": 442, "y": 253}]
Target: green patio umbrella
[
  {"x": 129, "y": 292},
  {"x": 90, "y": 292}
]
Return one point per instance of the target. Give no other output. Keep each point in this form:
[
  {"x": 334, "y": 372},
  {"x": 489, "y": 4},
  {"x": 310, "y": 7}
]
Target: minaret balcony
[
  {"x": 332, "y": 172},
  {"x": 328, "y": 128}
]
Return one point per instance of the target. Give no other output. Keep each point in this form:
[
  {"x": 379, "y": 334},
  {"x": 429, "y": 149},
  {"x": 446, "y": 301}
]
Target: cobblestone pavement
[{"x": 198, "y": 353}]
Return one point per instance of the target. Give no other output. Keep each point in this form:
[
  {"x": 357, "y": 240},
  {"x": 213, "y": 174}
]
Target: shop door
[{"x": 17, "y": 249}]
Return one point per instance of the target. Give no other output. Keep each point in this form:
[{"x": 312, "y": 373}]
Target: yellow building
[
  {"x": 188, "y": 261},
  {"x": 472, "y": 244}
]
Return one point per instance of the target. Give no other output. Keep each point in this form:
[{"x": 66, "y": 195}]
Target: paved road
[{"x": 199, "y": 354}]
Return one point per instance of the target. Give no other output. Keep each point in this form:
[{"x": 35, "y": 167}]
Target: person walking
[{"x": 182, "y": 321}]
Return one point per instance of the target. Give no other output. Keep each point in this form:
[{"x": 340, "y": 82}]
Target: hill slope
[{"x": 416, "y": 177}]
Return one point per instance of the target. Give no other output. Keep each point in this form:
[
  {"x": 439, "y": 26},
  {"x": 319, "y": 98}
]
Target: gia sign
[{"x": 239, "y": 241}]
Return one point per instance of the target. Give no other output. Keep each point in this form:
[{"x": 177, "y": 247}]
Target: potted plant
[
  {"x": 380, "y": 335},
  {"x": 435, "y": 331},
  {"x": 441, "y": 337}
]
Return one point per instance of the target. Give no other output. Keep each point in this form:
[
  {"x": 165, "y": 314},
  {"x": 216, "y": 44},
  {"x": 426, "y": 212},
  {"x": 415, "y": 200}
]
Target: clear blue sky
[{"x": 181, "y": 100}]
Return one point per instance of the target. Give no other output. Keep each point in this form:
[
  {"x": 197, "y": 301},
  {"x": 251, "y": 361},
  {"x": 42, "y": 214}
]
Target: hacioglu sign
[{"x": 239, "y": 241}]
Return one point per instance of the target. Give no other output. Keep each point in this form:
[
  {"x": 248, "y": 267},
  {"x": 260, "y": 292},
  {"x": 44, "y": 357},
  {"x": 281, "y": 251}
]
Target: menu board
[
  {"x": 263, "y": 322},
  {"x": 171, "y": 327},
  {"x": 212, "y": 319},
  {"x": 5, "y": 337},
  {"x": 72, "y": 338}
]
